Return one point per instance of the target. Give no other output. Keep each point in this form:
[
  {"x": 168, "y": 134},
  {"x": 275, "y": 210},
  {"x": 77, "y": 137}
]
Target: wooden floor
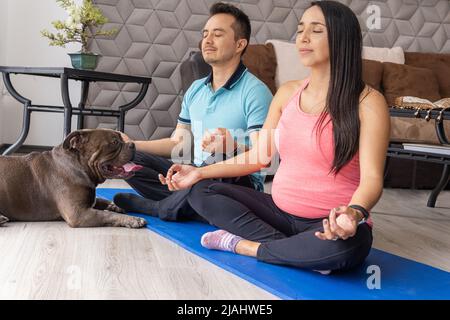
[{"x": 53, "y": 261}]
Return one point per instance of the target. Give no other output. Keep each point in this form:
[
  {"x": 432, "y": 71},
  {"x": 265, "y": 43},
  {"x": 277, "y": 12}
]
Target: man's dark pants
[{"x": 170, "y": 205}]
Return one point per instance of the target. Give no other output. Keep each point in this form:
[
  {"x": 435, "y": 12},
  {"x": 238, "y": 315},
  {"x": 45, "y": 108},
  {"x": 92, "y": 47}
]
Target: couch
[{"x": 391, "y": 71}]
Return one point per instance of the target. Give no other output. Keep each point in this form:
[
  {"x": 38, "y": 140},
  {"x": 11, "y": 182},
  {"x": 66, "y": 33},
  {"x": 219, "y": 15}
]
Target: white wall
[
  {"x": 22, "y": 45},
  {"x": 3, "y": 34}
]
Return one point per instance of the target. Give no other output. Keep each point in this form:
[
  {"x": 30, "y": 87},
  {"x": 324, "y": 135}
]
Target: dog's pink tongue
[{"x": 131, "y": 167}]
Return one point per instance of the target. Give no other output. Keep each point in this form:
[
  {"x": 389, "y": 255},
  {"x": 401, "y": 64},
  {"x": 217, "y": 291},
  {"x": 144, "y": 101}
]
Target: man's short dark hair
[{"x": 242, "y": 28}]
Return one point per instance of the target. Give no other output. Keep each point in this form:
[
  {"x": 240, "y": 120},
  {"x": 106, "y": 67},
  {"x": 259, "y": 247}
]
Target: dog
[{"x": 60, "y": 184}]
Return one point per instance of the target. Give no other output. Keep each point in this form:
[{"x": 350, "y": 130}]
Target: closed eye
[{"x": 314, "y": 31}]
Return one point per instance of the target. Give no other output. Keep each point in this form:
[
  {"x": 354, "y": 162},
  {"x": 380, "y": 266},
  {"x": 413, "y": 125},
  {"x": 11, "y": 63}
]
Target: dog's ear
[{"x": 75, "y": 140}]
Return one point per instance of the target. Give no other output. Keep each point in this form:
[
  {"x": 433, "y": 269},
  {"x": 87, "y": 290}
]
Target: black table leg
[
  {"x": 82, "y": 104},
  {"x": 67, "y": 105},
  {"x": 26, "y": 115},
  {"x": 440, "y": 186},
  {"x": 123, "y": 109},
  {"x": 440, "y": 132}
]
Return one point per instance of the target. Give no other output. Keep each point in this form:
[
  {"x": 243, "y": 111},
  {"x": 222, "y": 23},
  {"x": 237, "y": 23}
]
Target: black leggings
[
  {"x": 171, "y": 206},
  {"x": 285, "y": 239}
]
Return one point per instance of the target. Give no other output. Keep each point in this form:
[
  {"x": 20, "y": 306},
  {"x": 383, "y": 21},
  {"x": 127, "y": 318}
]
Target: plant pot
[{"x": 86, "y": 61}]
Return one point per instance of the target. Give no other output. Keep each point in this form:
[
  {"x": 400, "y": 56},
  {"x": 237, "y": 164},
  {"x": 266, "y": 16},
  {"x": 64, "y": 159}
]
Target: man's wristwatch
[{"x": 361, "y": 209}]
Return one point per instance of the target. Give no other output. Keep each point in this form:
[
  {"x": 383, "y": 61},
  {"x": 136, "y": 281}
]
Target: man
[{"x": 222, "y": 110}]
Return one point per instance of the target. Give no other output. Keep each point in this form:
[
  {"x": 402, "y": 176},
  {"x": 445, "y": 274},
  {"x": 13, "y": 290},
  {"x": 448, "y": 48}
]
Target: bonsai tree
[{"x": 84, "y": 22}]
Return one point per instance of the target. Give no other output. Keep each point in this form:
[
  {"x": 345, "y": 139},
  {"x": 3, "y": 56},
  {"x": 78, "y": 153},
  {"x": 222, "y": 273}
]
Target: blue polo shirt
[{"x": 240, "y": 106}]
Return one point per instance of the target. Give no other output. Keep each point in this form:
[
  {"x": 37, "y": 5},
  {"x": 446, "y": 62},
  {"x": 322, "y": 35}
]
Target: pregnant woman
[{"x": 332, "y": 132}]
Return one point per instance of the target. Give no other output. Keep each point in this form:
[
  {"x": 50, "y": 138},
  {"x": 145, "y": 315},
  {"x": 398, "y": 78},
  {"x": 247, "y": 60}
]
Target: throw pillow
[
  {"x": 394, "y": 55},
  {"x": 372, "y": 72},
  {"x": 403, "y": 80},
  {"x": 261, "y": 61},
  {"x": 289, "y": 66},
  {"x": 438, "y": 62}
]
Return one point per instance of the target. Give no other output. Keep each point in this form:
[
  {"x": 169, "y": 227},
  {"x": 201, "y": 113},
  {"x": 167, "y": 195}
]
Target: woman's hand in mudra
[
  {"x": 180, "y": 177},
  {"x": 341, "y": 224}
]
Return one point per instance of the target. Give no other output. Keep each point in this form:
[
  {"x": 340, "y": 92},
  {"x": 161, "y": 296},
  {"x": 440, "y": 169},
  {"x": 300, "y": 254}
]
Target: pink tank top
[{"x": 302, "y": 185}]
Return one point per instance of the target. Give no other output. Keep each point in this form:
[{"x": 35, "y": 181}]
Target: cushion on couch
[
  {"x": 372, "y": 73},
  {"x": 403, "y": 80},
  {"x": 394, "y": 55},
  {"x": 415, "y": 130},
  {"x": 289, "y": 65},
  {"x": 439, "y": 63},
  {"x": 260, "y": 59},
  {"x": 193, "y": 68}
]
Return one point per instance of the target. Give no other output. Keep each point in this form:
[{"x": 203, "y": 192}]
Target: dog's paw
[
  {"x": 112, "y": 207},
  {"x": 135, "y": 222}
]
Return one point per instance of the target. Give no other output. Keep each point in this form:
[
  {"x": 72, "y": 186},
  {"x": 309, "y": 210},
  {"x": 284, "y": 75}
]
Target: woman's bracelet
[{"x": 361, "y": 209}]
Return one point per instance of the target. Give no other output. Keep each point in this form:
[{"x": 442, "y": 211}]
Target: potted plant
[{"x": 84, "y": 22}]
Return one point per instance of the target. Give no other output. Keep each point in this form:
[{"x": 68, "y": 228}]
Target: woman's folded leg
[
  {"x": 242, "y": 211},
  {"x": 305, "y": 250},
  {"x": 254, "y": 216}
]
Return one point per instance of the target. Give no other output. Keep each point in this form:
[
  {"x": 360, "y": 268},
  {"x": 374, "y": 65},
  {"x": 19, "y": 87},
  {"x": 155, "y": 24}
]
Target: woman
[{"x": 332, "y": 133}]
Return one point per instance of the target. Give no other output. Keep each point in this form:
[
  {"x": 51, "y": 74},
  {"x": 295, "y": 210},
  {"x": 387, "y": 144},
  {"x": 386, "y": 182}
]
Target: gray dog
[{"x": 60, "y": 184}]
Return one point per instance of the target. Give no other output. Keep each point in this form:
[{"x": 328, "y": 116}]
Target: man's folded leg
[
  {"x": 156, "y": 199},
  {"x": 147, "y": 184},
  {"x": 174, "y": 207},
  {"x": 131, "y": 202}
]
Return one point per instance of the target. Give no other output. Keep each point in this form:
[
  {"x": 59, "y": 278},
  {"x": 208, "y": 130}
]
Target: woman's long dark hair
[{"x": 346, "y": 84}]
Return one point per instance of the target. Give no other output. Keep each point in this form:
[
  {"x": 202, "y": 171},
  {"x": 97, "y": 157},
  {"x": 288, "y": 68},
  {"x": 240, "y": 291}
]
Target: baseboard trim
[{"x": 25, "y": 148}]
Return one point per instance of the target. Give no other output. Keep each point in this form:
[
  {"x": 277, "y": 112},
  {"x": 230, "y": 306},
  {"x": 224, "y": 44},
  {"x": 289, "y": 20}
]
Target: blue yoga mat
[{"x": 399, "y": 278}]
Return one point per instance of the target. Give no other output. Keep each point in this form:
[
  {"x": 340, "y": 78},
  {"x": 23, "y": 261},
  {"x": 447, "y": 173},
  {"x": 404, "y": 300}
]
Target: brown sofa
[{"x": 425, "y": 75}]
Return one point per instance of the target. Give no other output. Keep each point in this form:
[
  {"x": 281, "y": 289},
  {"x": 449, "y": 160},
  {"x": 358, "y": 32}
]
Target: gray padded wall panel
[{"x": 156, "y": 35}]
